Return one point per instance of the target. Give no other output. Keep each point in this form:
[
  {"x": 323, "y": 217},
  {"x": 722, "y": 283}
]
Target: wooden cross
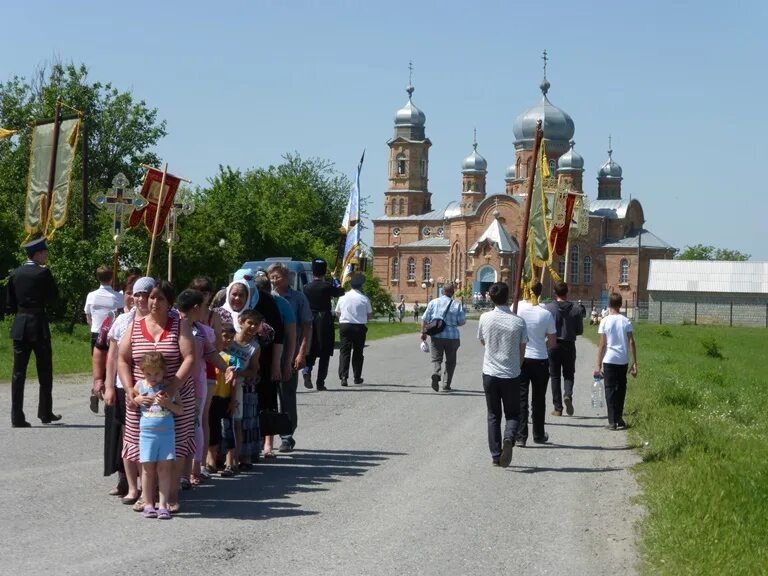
[{"x": 121, "y": 200}]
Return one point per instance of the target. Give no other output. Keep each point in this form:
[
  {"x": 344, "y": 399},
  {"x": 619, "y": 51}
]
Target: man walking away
[
  {"x": 541, "y": 336},
  {"x": 504, "y": 336},
  {"x": 31, "y": 288},
  {"x": 448, "y": 341},
  {"x": 354, "y": 310},
  {"x": 562, "y": 358}
]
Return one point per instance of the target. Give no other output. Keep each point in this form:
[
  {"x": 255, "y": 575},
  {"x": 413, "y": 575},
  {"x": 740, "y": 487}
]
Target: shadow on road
[
  {"x": 535, "y": 469},
  {"x": 264, "y": 492}
]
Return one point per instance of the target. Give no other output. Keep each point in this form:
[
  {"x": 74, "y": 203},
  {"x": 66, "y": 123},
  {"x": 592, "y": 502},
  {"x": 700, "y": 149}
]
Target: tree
[
  {"x": 702, "y": 252},
  {"x": 121, "y": 132}
]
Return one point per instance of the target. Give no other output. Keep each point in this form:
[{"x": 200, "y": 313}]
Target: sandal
[
  {"x": 138, "y": 506},
  {"x": 270, "y": 454},
  {"x": 130, "y": 500},
  {"x": 245, "y": 466},
  {"x": 174, "y": 508},
  {"x": 195, "y": 480},
  {"x": 228, "y": 472},
  {"x": 163, "y": 514},
  {"x": 149, "y": 512}
]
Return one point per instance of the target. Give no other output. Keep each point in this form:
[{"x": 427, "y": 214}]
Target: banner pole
[
  {"x": 157, "y": 220},
  {"x": 170, "y": 260},
  {"x": 52, "y": 167}
]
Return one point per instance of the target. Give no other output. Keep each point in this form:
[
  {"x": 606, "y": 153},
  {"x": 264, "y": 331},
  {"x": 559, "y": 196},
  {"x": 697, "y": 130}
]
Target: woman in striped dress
[{"x": 162, "y": 331}]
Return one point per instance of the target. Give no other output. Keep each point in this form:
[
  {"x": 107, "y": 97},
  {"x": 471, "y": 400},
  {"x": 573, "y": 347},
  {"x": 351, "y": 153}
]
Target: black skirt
[
  {"x": 323, "y": 334},
  {"x": 114, "y": 418}
]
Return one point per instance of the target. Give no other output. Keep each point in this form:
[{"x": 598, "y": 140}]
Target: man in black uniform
[
  {"x": 319, "y": 293},
  {"x": 30, "y": 288}
]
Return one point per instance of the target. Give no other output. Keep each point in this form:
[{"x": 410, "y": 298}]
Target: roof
[
  {"x": 647, "y": 240},
  {"x": 498, "y": 235},
  {"x": 609, "y": 208},
  {"x": 433, "y": 215},
  {"x": 708, "y": 276},
  {"x": 427, "y": 243}
]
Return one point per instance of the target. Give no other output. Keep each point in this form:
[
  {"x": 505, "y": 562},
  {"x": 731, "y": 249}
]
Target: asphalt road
[{"x": 388, "y": 477}]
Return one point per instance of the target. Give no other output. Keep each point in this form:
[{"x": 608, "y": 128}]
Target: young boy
[
  {"x": 222, "y": 405},
  {"x": 157, "y": 433},
  {"x": 245, "y": 350},
  {"x": 616, "y": 341}
]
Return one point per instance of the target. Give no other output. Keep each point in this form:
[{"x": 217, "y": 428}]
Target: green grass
[
  {"x": 71, "y": 352},
  {"x": 699, "y": 403}
]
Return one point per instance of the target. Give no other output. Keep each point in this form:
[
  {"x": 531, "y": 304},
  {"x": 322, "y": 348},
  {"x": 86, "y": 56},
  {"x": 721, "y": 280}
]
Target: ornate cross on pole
[
  {"x": 183, "y": 204},
  {"x": 121, "y": 200}
]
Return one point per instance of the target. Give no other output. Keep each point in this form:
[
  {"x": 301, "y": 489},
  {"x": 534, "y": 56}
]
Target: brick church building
[{"x": 473, "y": 241}]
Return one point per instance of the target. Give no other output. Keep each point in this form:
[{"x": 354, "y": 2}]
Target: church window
[
  {"x": 426, "y": 231},
  {"x": 561, "y": 268},
  {"x": 427, "y": 268},
  {"x": 624, "y": 271},
  {"x": 518, "y": 173},
  {"x": 440, "y": 231},
  {"x": 411, "y": 269},
  {"x": 574, "y": 264},
  {"x": 423, "y": 167},
  {"x": 396, "y": 231},
  {"x": 401, "y": 164},
  {"x": 552, "y": 168},
  {"x": 402, "y": 206},
  {"x": 588, "y": 270},
  {"x": 527, "y": 167},
  {"x": 395, "y": 268}
]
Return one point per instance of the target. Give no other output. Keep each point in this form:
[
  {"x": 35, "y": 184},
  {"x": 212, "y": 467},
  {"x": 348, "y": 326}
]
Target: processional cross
[
  {"x": 183, "y": 204},
  {"x": 121, "y": 200}
]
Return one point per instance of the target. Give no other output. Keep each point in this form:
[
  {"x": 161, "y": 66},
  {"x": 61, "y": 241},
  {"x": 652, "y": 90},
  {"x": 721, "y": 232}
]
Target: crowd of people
[{"x": 201, "y": 382}]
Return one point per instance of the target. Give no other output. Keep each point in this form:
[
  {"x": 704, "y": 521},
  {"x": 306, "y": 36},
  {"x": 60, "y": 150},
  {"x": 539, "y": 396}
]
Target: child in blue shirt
[{"x": 157, "y": 434}]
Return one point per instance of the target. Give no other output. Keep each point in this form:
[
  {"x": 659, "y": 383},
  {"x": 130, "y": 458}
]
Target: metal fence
[{"x": 709, "y": 312}]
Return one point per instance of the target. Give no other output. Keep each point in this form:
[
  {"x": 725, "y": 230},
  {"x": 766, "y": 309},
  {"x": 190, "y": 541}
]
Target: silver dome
[
  {"x": 571, "y": 161},
  {"x": 557, "y": 125},
  {"x": 610, "y": 170},
  {"x": 474, "y": 162},
  {"x": 409, "y": 115},
  {"x": 511, "y": 173}
]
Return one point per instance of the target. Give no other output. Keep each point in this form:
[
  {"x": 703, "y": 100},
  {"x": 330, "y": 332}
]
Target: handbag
[
  {"x": 272, "y": 422},
  {"x": 438, "y": 324}
]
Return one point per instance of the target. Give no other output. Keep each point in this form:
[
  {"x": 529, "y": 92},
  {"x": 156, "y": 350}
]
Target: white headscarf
[{"x": 228, "y": 307}]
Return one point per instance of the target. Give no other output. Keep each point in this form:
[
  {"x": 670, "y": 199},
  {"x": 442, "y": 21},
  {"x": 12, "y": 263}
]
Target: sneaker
[
  {"x": 542, "y": 439},
  {"x": 506, "y": 452},
  {"x": 568, "y": 405},
  {"x": 521, "y": 442},
  {"x": 557, "y": 412},
  {"x": 495, "y": 462},
  {"x": 307, "y": 381},
  {"x": 286, "y": 446},
  {"x": 621, "y": 425},
  {"x": 344, "y": 383},
  {"x": 205, "y": 472},
  {"x": 435, "y": 382},
  {"x": 612, "y": 427},
  {"x": 185, "y": 484},
  {"x": 94, "y": 403}
]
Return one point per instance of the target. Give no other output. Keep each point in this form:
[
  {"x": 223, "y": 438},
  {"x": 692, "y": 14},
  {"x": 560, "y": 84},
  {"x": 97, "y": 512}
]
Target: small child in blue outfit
[{"x": 157, "y": 434}]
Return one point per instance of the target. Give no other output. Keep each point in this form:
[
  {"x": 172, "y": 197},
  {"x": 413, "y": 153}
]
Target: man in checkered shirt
[
  {"x": 448, "y": 341},
  {"x": 504, "y": 335}
]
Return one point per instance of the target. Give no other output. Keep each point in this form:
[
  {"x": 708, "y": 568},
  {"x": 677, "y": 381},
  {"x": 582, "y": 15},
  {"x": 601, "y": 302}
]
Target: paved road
[{"x": 389, "y": 477}]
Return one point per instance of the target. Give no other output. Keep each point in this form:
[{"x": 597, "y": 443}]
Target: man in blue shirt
[{"x": 448, "y": 341}]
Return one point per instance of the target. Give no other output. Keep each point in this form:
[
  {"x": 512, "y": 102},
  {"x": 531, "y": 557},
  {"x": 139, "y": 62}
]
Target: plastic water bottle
[{"x": 597, "y": 393}]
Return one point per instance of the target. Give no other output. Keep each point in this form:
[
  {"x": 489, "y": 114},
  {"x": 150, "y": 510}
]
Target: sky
[{"x": 678, "y": 85}]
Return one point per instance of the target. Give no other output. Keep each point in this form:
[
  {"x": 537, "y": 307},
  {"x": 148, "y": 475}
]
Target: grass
[
  {"x": 697, "y": 414},
  {"x": 71, "y": 352}
]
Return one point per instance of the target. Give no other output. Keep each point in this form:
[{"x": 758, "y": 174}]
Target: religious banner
[
  {"x": 561, "y": 220},
  {"x": 150, "y": 191},
  {"x": 6, "y": 133},
  {"x": 39, "y": 216},
  {"x": 352, "y": 245}
]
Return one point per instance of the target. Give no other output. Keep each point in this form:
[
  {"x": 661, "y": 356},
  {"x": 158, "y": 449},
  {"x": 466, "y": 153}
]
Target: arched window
[
  {"x": 402, "y": 206},
  {"x": 395, "y": 268},
  {"x": 624, "y": 271},
  {"x": 401, "y": 164},
  {"x": 427, "y": 268},
  {"x": 561, "y": 268},
  {"x": 587, "y": 269},
  {"x": 574, "y": 264},
  {"x": 423, "y": 167},
  {"x": 527, "y": 167},
  {"x": 394, "y": 207},
  {"x": 552, "y": 168},
  {"x": 518, "y": 174},
  {"x": 411, "y": 269}
]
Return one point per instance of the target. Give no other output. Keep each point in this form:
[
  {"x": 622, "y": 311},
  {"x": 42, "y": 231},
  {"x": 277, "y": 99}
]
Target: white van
[{"x": 300, "y": 272}]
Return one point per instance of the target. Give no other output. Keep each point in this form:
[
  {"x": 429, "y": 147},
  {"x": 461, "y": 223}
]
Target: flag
[
  {"x": 39, "y": 218},
  {"x": 150, "y": 191},
  {"x": 558, "y": 237},
  {"x": 6, "y": 133},
  {"x": 352, "y": 212},
  {"x": 351, "y": 246},
  {"x": 537, "y": 249}
]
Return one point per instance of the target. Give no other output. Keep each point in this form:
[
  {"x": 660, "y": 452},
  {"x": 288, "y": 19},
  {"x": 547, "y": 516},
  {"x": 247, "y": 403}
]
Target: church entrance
[{"x": 485, "y": 276}]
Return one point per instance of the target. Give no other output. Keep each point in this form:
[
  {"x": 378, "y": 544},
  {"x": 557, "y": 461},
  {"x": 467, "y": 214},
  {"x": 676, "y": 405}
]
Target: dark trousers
[
  {"x": 562, "y": 360},
  {"x": 44, "y": 362},
  {"x": 287, "y": 397},
  {"x": 322, "y": 367},
  {"x": 352, "y": 342},
  {"x": 615, "y": 381},
  {"x": 501, "y": 392},
  {"x": 536, "y": 375}
]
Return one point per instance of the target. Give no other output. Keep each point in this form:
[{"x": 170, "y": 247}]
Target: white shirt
[
  {"x": 116, "y": 331},
  {"x": 502, "y": 332},
  {"x": 540, "y": 323},
  {"x": 99, "y": 303},
  {"x": 353, "y": 308},
  {"x": 615, "y": 327}
]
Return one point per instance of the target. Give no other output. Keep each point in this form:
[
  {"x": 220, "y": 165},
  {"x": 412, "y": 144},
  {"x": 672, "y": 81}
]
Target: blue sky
[{"x": 680, "y": 86}]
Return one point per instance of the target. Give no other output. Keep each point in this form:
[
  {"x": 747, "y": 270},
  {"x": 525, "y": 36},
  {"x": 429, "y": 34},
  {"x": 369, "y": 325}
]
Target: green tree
[
  {"x": 702, "y": 252},
  {"x": 120, "y": 132}
]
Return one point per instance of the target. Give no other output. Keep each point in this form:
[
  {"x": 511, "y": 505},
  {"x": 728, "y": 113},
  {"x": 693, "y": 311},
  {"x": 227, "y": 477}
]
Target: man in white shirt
[
  {"x": 98, "y": 305},
  {"x": 541, "y": 336},
  {"x": 354, "y": 310},
  {"x": 504, "y": 336}
]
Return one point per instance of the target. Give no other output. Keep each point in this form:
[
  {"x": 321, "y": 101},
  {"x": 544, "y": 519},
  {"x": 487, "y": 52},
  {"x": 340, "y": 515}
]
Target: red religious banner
[
  {"x": 150, "y": 191},
  {"x": 558, "y": 237}
]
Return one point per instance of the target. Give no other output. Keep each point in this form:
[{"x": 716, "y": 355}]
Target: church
[{"x": 473, "y": 241}]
